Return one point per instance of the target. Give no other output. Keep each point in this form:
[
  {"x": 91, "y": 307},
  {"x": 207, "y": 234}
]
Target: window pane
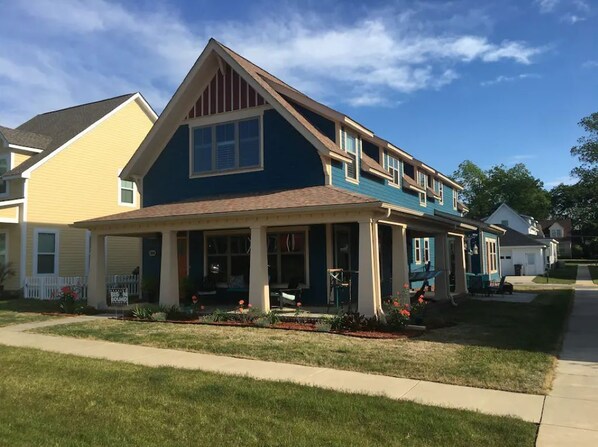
[
  {"x": 46, "y": 242},
  {"x": 217, "y": 245},
  {"x": 351, "y": 169},
  {"x": 202, "y": 149},
  {"x": 225, "y": 146},
  {"x": 221, "y": 262},
  {"x": 292, "y": 242},
  {"x": 126, "y": 184},
  {"x": 240, "y": 245},
  {"x": 293, "y": 267},
  {"x": 249, "y": 143},
  {"x": 45, "y": 264},
  {"x": 351, "y": 144},
  {"x": 126, "y": 195}
]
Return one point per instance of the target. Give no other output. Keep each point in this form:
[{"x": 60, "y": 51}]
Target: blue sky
[{"x": 493, "y": 82}]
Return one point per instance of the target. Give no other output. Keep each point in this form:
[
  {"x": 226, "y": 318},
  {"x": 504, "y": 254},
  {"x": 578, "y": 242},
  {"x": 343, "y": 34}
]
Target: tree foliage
[{"x": 516, "y": 186}]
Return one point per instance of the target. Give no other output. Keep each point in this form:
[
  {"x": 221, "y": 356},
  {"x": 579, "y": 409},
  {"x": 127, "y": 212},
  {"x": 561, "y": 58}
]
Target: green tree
[{"x": 516, "y": 186}]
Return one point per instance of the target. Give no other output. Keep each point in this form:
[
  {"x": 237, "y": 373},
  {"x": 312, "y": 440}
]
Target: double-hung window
[
  {"x": 46, "y": 252},
  {"x": 455, "y": 198},
  {"x": 422, "y": 181},
  {"x": 226, "y": 147},
  {"x": 417, "y": 251},
  {"x": 426, "y": 250},
  {"x": 350, "y": 144},
  {"x": 441, "y": 192},
  {"x": 4, "y": 168},
  {"x": 393, "y": 166},
  {"x": 127, "y": 192}
]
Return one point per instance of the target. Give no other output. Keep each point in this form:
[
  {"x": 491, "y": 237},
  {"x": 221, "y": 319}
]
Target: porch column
[
  {"x": 441, "y": 262},
  {"x": 368, "y": 301},
  {"x": 460, "y": 270},
  {"x": 259, "y": 290},
  {"x": 96, "y": 286},
  {"x": 169, "y": 271},
  {"x": 400, "y": 263}
]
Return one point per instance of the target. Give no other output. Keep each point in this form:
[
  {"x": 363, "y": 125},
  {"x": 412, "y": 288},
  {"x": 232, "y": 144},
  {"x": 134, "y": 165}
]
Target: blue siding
[{"x": 290, "y": 161}]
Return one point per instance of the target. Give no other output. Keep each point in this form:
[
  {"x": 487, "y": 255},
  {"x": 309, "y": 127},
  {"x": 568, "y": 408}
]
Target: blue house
[{"x": 251, "y": 185}]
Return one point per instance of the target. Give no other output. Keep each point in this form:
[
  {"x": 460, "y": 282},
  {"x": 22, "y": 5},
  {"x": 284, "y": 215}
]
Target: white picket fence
[{"x": 47, "y": 287}]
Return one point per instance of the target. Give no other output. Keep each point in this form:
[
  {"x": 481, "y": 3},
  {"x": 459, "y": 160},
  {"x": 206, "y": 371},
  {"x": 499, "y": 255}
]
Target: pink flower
[
  {"x": 420, "y": 300},
  {"x": 202, "y": 307},
  {"x": 65, "y": 289},
  {"x": 249, "y": 305},
  {"x": 405, "y": 286},
  {"x": 194, "y": 299},
  {"x": 241, "y": 302},
  {"x": 405, "y": 312},
  {"x": 395, "y": 303},
  {"x": 298, "y": 304}
]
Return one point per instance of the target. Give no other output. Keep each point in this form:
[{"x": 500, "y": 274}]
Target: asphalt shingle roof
[
  {"x": 26, "y": 139},
  {"x": 276, "y": 200},
  {"x": 514, "y": 238},
  {"x": 53, "y": 129}
]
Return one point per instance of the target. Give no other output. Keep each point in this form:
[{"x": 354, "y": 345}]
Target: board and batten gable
[
  {"x": 290, "y": 162},
  {"x": 81, "y": 182}
]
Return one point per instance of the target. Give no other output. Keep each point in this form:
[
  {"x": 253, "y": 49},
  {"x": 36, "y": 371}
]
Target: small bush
[
  {"x": 323, "y": 326},
  {"x": 143, "y": 313},
  {"x": 349, "y": 321},
  {"x": 262, "y": 322}
]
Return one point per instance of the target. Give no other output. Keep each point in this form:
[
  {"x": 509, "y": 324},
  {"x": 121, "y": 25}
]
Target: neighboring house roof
[
  {"x": 521, "y": 217},
  {"x": 315, "y": 196},
  {"x": 52, "y": 130},
  {"x": 565, "y": 223},
  {"x": 24, "y": 139},
  {"x": 513, "y": 238},
  {"x": 275, "y": 93}
]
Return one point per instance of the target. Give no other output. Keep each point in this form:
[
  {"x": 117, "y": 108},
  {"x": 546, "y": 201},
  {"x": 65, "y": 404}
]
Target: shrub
[
  {"x": 220, "y": 315},
  {"x": 158, "y": 316},
  {"x": 323, "y": 326},
  {"x": 348, "y": 321},
  {"x": 397, "y": 314},
  {"x": 68, "y": 299},
  {"x": 262, "y": 322},
  {"x": 143, "y": 313}
]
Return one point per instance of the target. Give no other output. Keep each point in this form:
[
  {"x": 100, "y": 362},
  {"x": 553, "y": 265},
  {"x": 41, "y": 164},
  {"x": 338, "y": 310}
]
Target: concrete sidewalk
[
  {"x": 570, "y": 414},
  {"x": 584, "y": 279},
  {"x": 525, "y": 406}
]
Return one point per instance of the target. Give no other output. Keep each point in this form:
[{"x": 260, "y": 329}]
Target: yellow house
[{"x": 60, "y": 167}]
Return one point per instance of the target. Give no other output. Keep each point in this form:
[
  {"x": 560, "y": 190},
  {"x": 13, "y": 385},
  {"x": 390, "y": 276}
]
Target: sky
[{"x": 493, "y": 82}]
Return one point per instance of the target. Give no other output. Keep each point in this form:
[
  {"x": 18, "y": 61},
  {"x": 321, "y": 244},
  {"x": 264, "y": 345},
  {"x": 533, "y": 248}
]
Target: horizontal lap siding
[
  {"x": 290, "y": 161},
  {"x": 81, "y": 182}
]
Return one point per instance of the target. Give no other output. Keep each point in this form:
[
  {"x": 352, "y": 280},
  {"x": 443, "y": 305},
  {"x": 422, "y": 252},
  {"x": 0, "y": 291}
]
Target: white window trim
[
  {"x": 455, "y": 198},
  {"x": 56, "y": 253},
  {"x": 417, "y": 253},
  {"x": 386, "y": 155},
  {"x": 294, "y": 229},
  {"x": 441, "y": 192},
  {"x": 426, "y": 257},
  {"x": 343, "y": 137},
  {"x": 491, "y": 261},
  {"x": 423, "y": 203},
  {"x": 119, "y": 191},
  {"x": 5, "y": 233},
  {"x": 9, "y": 157},
  {"x": 212, "y": 120}
]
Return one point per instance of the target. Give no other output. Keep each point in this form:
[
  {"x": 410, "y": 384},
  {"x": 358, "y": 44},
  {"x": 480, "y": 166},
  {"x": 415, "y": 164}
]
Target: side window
[
  {"x": 127, "y": 192},
  {"x": 46, "y": 252}
]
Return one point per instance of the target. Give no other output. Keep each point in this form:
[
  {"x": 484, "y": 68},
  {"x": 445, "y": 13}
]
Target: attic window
[
  {"x": 422, "y": 181},
  {"x": 393, "y": 166},
  {"x": 226, "y": 147},
  {"x": 350, "y": 144}
]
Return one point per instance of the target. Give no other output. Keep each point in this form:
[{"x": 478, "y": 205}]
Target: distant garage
[{"x": 521, "y": 254}]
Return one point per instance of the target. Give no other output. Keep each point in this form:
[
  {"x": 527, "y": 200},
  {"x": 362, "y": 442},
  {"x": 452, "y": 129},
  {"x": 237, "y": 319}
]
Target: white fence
[{"x": 47, "y": 287}]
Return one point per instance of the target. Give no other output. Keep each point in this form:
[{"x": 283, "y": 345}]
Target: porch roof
[
  {"x": 467, "y": 221},
  {"x": 327, "y": 197}
]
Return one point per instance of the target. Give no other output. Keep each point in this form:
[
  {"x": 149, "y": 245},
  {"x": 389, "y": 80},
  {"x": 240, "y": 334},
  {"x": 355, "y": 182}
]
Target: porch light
[{"x": 215, "y": 268}]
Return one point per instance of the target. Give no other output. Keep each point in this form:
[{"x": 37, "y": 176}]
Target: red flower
[
  {"x": 395, "y": 303},
  {"x": 420, "y": 300},
  {"x": 406, "y": 286},
  {"x": 405, "y": 312},
  {"x": 65, "y": 289},
  {"x": 241, "y": 302},
  {"x": 194, "y": 299},
  {"x": 299, "y": 304}
]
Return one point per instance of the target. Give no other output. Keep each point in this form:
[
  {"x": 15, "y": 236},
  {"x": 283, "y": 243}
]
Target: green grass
[
  {"x": 71, "y": 401},
  {"x": 566, "y": 274},
  {"x": 506, "y": 346},
  {"x": 25, "y": 311}
]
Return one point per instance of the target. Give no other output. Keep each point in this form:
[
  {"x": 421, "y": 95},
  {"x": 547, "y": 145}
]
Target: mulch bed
[{"x": 291, "y": 326}]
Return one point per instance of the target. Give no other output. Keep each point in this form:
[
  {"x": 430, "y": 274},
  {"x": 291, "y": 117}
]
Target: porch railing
[{"x": 47, "y": 287}]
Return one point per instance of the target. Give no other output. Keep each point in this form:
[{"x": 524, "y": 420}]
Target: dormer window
[
  {"x": 441, "y": 192},
  {"x": 422, "y": 180},
  {"x": 455, "y": 198},
  {"x": 230, "y": 147},
  {"x": 393, "y": 166},
  {"x": 350, "y": 144}
]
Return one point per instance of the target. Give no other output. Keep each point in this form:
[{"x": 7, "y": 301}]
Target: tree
[
  {"x": 587, "y": 149},
  {"x": 485, "y": 190}
]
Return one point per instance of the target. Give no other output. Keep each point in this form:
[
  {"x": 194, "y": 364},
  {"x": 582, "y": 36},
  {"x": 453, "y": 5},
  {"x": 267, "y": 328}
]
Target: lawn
[
  {"x": 71, "y": 401},
  {"x": 566, "y": 274},
  {"x": 507, "y": 346},
  {"x": 25, "y": 311}
]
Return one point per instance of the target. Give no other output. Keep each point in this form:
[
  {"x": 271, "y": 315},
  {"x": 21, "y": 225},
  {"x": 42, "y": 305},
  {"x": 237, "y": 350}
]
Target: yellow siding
[
  {"x": 81, "y": 182},
  {"x": 13, "y": 241},
  {"x": 124, "y": 255},
  {"x": 18, "y": 159},
  {"x": 9, "y": 212}
]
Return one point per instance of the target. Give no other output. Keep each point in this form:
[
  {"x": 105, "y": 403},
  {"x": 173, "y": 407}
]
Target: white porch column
[
  {"x": 368, "y": 299},
  {"x": 460, "y": 277},
  {"x": 400, "y": 262},
  {"x": 441, "y": 262},
  {"x": 96, "y": 286},
  {"x": 259, "y": 290},
  {"x": 169, "y": 270}
]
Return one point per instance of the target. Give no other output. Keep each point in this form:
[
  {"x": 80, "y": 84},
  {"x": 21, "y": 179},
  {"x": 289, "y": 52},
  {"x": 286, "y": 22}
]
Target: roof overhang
[{"x": 474, "y": 224}]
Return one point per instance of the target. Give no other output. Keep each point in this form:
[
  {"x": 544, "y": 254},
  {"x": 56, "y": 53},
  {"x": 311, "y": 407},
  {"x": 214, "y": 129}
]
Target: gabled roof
[
  {"x": 565, "y": 223},
  {"x": 24, "y": 139},
  {"x": 514, "y": 238},
  {"x": 274, "y": 92},
  {"x": 512, "y": 211},
  {"x": 286, "y": 200},
  {"x": 52, "y": 130}
]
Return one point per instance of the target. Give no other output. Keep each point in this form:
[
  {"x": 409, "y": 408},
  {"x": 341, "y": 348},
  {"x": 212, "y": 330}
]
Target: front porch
[{"x": 250, "y": 253}]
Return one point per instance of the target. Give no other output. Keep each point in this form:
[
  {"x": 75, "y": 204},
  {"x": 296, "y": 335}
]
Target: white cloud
[
  {"x": 95, "y": 48},
  {"x": 546, "y": 6},
  {"x": 567, "y": 180},
  {"x": 590, "y": 64},
  {"x": 502, "y": 78},
  {"x": 572, "y": 19}
]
